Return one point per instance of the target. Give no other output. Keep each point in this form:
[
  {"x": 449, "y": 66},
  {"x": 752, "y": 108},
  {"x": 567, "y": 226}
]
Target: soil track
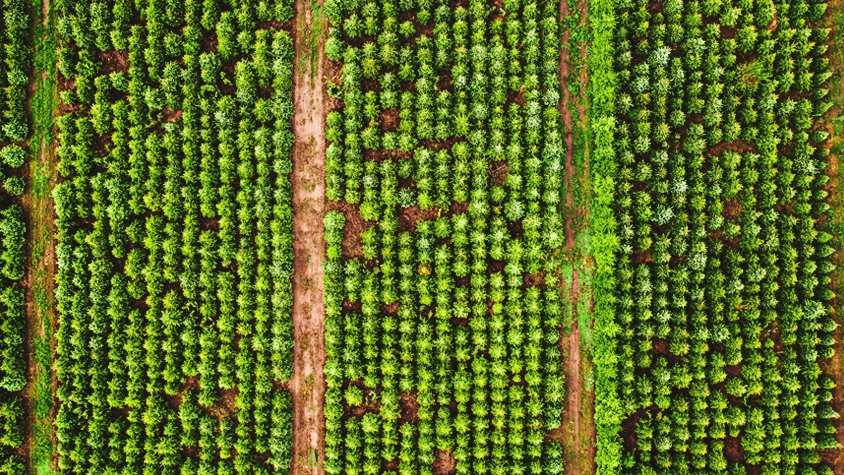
[
  {"x": 577, "y": 426},
  {"x": 307, "y": 179},
  {"x": 571, "y": 342}
]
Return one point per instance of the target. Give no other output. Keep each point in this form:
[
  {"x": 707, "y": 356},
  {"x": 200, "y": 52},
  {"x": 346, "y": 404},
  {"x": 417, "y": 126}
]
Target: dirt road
[{"x": 308, "y": 383}]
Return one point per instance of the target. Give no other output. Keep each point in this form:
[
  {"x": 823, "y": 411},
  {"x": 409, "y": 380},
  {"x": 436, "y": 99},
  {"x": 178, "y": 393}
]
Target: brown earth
[
  {"x": 171, "y": 116},
  {"x": 444, "y": 464},
  {"x": 409, "y": 407},
  {"x": 307, "y": 180},
  {"x": 114, "y": 61},
  {"x": 567, "y": 126},
  {"x": 573, "y": 362},
  {"x": 409, "y": 217},
  {"x": 570, "y": 343},
  {"x": 739, "y": 146},
  {"x": 733, "y": 451},
  {"x": 355, "y": 225}
]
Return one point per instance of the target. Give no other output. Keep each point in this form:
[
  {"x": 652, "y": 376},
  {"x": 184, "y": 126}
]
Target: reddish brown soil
[
  {"x": 224, "y": 407},
  {"x": 114, "y": 61},
  {"x": 209, "y": 43},
  {"x": 389, "y": 119},
  {"x": 355, "y": 225},
  {"x": 307, "y": 180},
  {"x": 445, "y": 464},
  {"x": 573, "y": 362},
  {"x": 733, "y": 371},
  {"x": 409, "y": 407},
  {"x": 642, "y": 257},
  {"x": 739, "y": 146},
  {"x": 660, "y": 347},
  {"x": 171, "y": 116},
  {"x": 408, "y": 217},
  {"x": 732, "y": 209},
  {"x": 733, "y": 450},
  {"x": 628, "y": 429}
]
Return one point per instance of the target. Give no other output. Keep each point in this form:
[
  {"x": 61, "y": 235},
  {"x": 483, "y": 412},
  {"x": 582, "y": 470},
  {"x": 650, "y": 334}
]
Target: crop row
[
  {"x": 442, "y": 325},
  {"x": 174, "y": 237},
  {"x": 14, "y": 69},
  {"x": 14, "y": 56},
  {"x": 713, "y": 315}
]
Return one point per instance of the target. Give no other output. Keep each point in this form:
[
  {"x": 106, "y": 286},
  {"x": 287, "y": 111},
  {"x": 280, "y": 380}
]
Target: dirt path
[
  {"x": 308, "y": 382},
  {"x": 571, "y": 342},
  {"x": 578, "y": 428}
]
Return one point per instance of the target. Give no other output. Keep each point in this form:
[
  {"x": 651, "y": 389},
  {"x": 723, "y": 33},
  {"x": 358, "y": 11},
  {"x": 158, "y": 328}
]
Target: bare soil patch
[
  {"x": 114, "y": 61},
  {"x": 389, "y": 119},
  {"x": 660, "y": 347},
  {"x": 308, "y": 183},
  {"x": 171, "y": 116},
  {"x": 739, "y": 146},
  {"x": 445, "y": 464},
  {"x": 733, "y": 451},
  {"x": 355, "y": 225},
  {"x": 409, "y": 407},
  {"x": 573, "y": 380},
  {"x": 410, "y": 216},
  {"x": 732, "y": 210},
  {"x": 628, "y": 429}
]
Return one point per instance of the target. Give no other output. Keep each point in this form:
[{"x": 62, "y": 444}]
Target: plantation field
[
  {"x": 419, "y": 237},
  {"x": 715, "y": 318},
  {"x": 174, "y": 238}
]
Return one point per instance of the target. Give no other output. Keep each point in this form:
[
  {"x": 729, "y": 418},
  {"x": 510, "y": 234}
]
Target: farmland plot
[
  {"x": 713, "y": 321},
  {"x": 444, "y": 172},
  {"x": 455, "y": 208},
  {"x": 174, "y": 237}
]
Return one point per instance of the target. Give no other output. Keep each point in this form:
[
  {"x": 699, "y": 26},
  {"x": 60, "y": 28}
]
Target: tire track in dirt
[{"x": 307, "y": 180}]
